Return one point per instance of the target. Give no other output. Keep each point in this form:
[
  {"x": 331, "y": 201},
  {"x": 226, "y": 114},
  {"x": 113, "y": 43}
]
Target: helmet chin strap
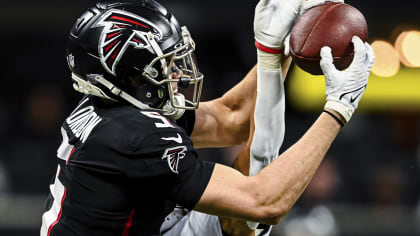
[
  {"x": 84, "y": 86},
  {"x": 117, "y": 91},
  {"x": 87, "y": 87}
]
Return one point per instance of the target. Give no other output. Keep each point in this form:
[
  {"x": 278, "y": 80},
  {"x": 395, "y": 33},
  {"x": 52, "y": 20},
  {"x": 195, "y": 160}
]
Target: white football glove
[
  {"x": 273, "y": 21},
  {"x": 344, "y": 89}
]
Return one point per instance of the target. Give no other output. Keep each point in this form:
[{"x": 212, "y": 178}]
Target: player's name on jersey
[{"x": 81, "y": 122}]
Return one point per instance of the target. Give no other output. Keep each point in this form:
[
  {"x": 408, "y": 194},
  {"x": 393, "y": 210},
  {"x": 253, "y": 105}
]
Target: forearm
[
  {"x": 225, "y": 121},
  {"x": 281, "y": 183},
  {"x": 269, "y": 195},
  {"x": 221, "y": 122}
]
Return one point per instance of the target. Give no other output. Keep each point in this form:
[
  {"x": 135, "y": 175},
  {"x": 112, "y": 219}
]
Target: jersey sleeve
[
  {"x": 191, "y": 182},
  {"x": 165, "y": 157}
]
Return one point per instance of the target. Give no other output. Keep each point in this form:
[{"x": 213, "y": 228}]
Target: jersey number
[
  {"x": 66, "y": 149},
  {"x": 165, "y": 122}
]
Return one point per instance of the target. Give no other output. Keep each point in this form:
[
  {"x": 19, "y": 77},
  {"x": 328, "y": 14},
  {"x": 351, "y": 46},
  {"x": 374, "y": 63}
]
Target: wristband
[
  {"x": 335, "y": 117},
  {"x": 268, "y": 61},
  {"x": 345, "y": 111},
  {"x": 267, "y": 49}
]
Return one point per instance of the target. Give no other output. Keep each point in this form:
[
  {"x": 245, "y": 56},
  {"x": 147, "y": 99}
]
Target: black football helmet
[{"x": 135, "y": 51}]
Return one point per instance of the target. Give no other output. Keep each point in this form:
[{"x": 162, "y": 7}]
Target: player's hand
[
  {"x": 344, "y": 89},
  {"x": 273, "y": 21}
]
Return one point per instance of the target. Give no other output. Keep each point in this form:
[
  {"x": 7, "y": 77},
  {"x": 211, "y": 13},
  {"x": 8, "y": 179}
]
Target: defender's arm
[{"x": 225, "y": 121}]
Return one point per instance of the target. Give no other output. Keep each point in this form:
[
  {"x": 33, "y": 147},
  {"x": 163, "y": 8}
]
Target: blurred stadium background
[{"x": 369, "y": 184}]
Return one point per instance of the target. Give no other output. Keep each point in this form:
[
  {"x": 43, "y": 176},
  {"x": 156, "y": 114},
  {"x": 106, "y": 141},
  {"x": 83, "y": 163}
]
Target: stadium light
[
  {"x": 387, "y": 60},
  {"x": 408, "y": 48}
]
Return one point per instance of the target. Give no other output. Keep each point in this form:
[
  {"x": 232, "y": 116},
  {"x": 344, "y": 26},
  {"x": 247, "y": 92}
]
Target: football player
[{"x": 127, "y": 156}]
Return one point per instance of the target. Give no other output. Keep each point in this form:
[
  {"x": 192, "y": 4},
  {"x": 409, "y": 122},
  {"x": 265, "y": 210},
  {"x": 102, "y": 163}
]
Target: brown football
[{"x": 331, "y": 24}]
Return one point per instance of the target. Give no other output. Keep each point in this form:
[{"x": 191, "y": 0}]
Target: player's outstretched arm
[{"x": 269, "y": 195}]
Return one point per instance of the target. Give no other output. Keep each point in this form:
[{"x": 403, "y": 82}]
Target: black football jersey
[{"x": 121, "y": 171}]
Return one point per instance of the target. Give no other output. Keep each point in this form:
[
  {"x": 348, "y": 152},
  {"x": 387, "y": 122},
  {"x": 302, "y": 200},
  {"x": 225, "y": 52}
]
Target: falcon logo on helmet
[
  {"x": 121, "y": 30},
  {"x": 135, "y": 51}
]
